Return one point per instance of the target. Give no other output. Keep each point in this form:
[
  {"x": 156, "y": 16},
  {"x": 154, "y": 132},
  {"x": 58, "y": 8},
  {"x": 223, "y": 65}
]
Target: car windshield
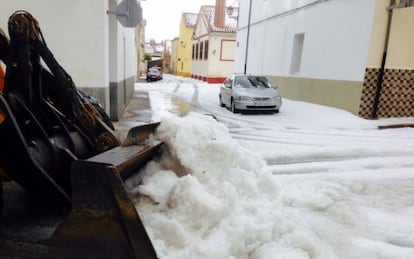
[
  {"x": 154, "y": 70},
  {"x": 252, "y": 81}
]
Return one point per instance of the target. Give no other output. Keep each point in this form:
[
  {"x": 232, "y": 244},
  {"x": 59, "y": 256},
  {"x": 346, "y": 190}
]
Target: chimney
[{"x": 220, "y": 13}]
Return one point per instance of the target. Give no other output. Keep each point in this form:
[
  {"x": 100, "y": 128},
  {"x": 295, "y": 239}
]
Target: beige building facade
[
  {"x": 140, "y": 48},
  {"x": 174, "y": 56},
  {"x": 388, "y": 86},
  {"x": 183, "y": 60}
]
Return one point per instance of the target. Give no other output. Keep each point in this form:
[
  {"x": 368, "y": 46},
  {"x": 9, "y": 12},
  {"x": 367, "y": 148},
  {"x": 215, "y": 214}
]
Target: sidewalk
[{"x": 137, "y": 112}]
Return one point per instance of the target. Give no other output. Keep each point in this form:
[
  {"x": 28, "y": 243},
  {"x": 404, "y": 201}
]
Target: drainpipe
[
  {"x": 380, "y": 78},
  {"x": 248, "y": 36}
]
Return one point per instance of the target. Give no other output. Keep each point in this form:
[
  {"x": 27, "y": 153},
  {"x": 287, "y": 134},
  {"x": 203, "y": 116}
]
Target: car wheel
[
  {"x": 233, "y": 107},
  {"x": 221, "y": 102}
]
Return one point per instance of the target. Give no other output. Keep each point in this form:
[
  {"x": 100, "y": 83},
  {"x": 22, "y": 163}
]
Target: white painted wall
[
  {"x": 200, "y": 67},
  {"x": 336, "y": 41},
  {"x": 92, "y": 46},
  {"x": 76, "y": 31},
  {"x": 221, "y": 47},
  {"x": 122, "y": 57}
]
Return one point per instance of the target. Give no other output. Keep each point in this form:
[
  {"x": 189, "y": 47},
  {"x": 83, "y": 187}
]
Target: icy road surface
[{"x": 308, "y": 182}]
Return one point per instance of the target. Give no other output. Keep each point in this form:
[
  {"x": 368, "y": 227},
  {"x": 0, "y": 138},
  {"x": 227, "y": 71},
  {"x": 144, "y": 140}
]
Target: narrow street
[
  {"x": 327, "y": 172},
  {"x": 309, "y": 182}
]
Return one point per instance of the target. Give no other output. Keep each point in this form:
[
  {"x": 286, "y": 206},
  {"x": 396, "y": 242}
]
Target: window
[
  {"x": 206, "y": 49},
  {"x": 201, "y": 50},
  {"x": 252, "y": 81},
  {"x": 401, "y": 4},
  {"x": 193, "y": 53},
  {"x": 241, "y": 82},
  {"x": 405, "y": 3},
  {"x": 297, "y": 53},
  {"x": 228, "y": 83}
]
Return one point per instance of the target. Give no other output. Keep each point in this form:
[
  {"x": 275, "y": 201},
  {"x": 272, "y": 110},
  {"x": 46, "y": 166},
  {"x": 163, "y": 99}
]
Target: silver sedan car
[{"x": 249, "y": 93}]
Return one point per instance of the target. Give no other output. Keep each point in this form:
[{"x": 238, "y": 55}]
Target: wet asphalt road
[{"x": 27, "y": 224}]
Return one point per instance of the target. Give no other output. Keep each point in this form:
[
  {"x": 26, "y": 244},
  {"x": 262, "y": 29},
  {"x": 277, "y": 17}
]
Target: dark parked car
[
  {"x": 154, "y": 73},
  {"x": 249, "y": 93}
]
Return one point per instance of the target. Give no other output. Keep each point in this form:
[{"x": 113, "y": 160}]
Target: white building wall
[
  {"x": 92, "y": 46},
  {"x": 76, "y": 33},
  {"x": 123, "y": 55},
  {"x": 215, "y": 67},
  {"x": 220, "y": 61},
  {"x": 331, "y": 30},
  {"x": 201, "y": 28},
  {"x": 221, "y": 56},
  {"x": 199, "y": 67}
]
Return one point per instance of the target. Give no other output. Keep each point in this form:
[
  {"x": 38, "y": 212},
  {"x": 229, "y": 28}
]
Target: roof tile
[{"x": 190, "y": 19}]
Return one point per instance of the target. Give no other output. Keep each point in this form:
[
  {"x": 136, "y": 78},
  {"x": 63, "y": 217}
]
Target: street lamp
[{"x": 230, "y": 11}]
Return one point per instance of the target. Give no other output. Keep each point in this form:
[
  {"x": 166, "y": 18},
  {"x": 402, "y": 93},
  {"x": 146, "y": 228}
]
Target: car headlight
[{"x": 244, "y": 98}]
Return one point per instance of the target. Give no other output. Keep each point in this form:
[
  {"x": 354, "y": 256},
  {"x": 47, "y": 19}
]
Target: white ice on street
[{"x": 309, "y": 182}]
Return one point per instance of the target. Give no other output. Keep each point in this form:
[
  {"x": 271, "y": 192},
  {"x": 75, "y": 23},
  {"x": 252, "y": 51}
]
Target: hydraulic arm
[{"x": 58, "y": 143}]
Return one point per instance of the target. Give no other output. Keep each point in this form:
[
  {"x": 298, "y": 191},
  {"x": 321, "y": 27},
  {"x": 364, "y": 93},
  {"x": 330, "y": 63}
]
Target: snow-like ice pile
[{"x": 210, "y": 197}]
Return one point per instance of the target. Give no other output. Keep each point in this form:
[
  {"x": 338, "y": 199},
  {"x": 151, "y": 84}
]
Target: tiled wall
[{"x": 397, "y": 94}]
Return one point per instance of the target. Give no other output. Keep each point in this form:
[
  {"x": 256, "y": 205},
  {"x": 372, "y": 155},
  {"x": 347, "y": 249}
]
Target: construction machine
[{"x": 59, "y": 144}]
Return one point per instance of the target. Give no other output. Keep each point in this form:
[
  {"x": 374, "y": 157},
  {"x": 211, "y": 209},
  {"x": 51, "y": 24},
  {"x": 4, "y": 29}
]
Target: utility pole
[
  {"x": 248, "y": 36},
  {"x": 380, "y": 78}
]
